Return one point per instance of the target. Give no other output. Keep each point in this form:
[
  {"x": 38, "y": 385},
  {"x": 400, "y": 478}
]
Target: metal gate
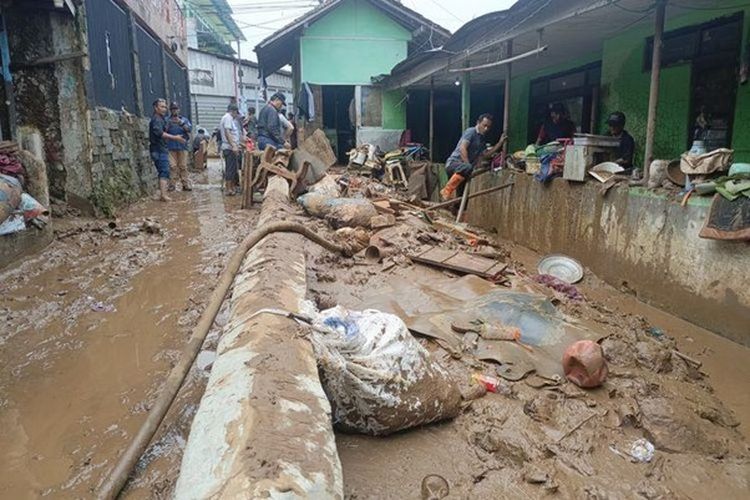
[
  {"x": 111, "y": 55},
  {"x": 177, "y": 82},
  {"x": 151, "y": 68}
]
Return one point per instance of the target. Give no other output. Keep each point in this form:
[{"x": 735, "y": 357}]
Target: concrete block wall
[
  {"x": 634, "y": 239},
  {"x": 121, "y": 169}
]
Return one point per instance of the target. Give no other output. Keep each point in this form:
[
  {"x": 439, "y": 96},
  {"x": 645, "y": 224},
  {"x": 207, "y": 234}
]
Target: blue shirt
[
  {"x": 182, "y": 127},
  {"x": 475, "y": 147}
]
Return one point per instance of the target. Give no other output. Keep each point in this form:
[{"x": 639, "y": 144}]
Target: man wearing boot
[
  {"x": 178, "y": 125},
  {"x": 468, "y": 153},
  {"x": 157, "y": 145}
]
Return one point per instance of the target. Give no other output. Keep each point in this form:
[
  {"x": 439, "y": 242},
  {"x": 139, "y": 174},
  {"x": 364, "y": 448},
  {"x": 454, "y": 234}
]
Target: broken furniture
[{"x": 274, "y": 162}]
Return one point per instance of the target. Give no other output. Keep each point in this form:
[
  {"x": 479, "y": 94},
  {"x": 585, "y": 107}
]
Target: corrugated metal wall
[
  {"x": 110, "y": 54},
  {"x": 150, "y": 64},
  {"x": 212, "y": 86},
  {"x": 177, "y": 86}
]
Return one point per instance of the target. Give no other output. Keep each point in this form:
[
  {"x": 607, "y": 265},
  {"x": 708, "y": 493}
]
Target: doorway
[
  {"x": 339, "y": 119},
  {"x": 577, "y": 90}
]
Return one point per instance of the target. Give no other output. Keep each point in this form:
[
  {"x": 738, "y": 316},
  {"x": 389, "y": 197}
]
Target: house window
[{"x": 721, "y": 36}]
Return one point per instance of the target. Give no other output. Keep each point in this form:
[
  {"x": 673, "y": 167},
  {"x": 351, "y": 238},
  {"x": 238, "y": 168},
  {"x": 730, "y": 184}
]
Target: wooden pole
[
  {"x": 432, "y": 120},
  {"x": 506, "y": 98},
  {"x": 653, "y": 97},
  {"x": 465, "y": 101},
  {"x": 474, "y": 195}
]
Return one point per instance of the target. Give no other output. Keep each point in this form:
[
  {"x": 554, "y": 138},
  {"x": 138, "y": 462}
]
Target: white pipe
[{"x": 503, "y": 62}]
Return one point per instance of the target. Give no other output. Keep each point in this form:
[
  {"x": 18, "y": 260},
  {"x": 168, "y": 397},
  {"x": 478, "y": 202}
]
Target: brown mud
[
  {"x": 540, "y": 437},
  {"x": 92, "y": 326}
]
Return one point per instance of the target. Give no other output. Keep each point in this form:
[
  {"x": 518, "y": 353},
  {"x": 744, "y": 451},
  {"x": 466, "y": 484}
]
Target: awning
[{"x": 568, "y": 29}]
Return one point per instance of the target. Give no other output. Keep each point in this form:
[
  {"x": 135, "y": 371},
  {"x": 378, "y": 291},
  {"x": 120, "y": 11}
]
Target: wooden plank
[
  {"x": 438, "y": 255},
  {"x": 471, "y": 262},
  {"x": 460, "y": 262}
]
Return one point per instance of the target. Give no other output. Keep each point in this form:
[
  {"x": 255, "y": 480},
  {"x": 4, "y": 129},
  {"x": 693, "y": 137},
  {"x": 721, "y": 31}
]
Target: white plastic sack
[{"x": 378, "y": 378}]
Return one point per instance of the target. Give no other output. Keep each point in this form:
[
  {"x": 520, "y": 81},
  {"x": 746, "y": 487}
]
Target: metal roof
[
  {"x": 277, "y": 50},
  {"x": 569, "y": 29},
  {"x": 218, "y": 15}
]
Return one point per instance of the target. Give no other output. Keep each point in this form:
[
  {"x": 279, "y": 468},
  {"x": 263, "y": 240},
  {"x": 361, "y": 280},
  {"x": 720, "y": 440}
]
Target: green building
[
  {"x": 595, "y": 57},
  {"x": 336, "y": 50}
]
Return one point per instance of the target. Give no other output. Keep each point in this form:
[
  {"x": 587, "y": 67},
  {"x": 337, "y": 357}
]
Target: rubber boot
[
  {"x": 449, "y": 190},
  {"x": 163, "y": 188}
]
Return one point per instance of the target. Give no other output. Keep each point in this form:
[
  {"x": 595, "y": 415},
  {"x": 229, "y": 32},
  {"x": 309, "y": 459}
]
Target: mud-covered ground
[
  {"x": 541, "y": 437},
  {"x": 92, "y": 326}
]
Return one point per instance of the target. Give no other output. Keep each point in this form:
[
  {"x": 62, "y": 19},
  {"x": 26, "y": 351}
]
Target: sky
[{"x": 260, "y": 18}]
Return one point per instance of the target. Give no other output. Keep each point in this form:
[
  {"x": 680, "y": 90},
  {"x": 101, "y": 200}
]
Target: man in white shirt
[{"x": 230, "y": 149}]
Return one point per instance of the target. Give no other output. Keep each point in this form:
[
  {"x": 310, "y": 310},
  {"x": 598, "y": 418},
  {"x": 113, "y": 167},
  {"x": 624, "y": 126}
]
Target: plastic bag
[{"x": 378, "y": 378}]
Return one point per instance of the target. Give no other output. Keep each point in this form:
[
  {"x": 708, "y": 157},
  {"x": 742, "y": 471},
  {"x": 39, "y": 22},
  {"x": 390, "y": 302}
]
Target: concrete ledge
[
  {"x": 263, "y": 428},
  {"x": 634, "y": 239}
]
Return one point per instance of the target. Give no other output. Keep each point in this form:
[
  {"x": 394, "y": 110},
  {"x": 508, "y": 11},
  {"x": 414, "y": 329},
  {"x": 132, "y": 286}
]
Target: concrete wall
[
  {"x": 350, "y": 45},
  {"x": 166, "y": 19},
  {"x": 634, "y": 239},
  {"x": 121, "y": 169}
]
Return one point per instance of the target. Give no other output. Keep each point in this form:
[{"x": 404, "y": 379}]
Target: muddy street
[{"x": 91, "y": 327}]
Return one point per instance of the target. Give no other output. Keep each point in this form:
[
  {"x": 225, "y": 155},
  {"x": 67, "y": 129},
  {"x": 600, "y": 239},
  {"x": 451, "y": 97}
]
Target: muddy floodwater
[{"x": 92, "y": 326}]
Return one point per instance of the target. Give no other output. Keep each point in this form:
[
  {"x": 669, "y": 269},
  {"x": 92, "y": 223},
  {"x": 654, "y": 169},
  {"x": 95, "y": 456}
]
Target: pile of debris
[{"x": 19, "y": 175}]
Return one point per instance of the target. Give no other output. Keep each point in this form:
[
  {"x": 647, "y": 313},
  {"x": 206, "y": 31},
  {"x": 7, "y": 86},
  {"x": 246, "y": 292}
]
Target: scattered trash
[
  {"x": 605, "y": 171},
  {"x": 642, "y": 451},
  {"x": 584, "y": 364},
  {"x": 382, "y": 221},
  {"x": 151, "y": 227},
  {"x": 434, "y": 487},
  {"x": 656, "y": 332},
  {"x": 559, "y": 285},
  {"x": 99, "y": 306},
  {"x": 378, "y": 378},
  {"x": 492, "y": 384},
  {"x": 561, "y": 267}
]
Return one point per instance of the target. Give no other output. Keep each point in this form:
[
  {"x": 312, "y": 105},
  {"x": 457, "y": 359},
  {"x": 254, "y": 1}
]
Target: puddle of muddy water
[{"x": 79, "y": 376}]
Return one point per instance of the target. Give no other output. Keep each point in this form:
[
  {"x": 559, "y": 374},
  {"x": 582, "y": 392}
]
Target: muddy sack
[
  {"x": 339, "y": 212},
  {"x": 378, "y": 378}
]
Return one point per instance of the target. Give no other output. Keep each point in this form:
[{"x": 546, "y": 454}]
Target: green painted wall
[
  {"x": 394, "y": 110},
  {"x": 519, "y": 97},
  {"x": 625, "y": 87},
  {"x": 350, "y": 45}
]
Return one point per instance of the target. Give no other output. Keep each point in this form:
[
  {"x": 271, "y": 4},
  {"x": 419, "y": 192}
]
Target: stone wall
[
  {"x": 121, "y": 169},
  {"x": 634, "y": 239}
]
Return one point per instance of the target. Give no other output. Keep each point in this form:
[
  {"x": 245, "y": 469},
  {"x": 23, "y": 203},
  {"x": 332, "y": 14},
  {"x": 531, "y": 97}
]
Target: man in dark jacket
[
  {"x": 625, "y": 152},
  {"x": 270, "y": 132},
  {"x": 157, "y": 145}
]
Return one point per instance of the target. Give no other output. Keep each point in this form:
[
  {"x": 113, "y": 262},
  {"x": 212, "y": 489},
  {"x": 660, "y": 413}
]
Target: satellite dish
[{"x": 174, "y": 46}]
